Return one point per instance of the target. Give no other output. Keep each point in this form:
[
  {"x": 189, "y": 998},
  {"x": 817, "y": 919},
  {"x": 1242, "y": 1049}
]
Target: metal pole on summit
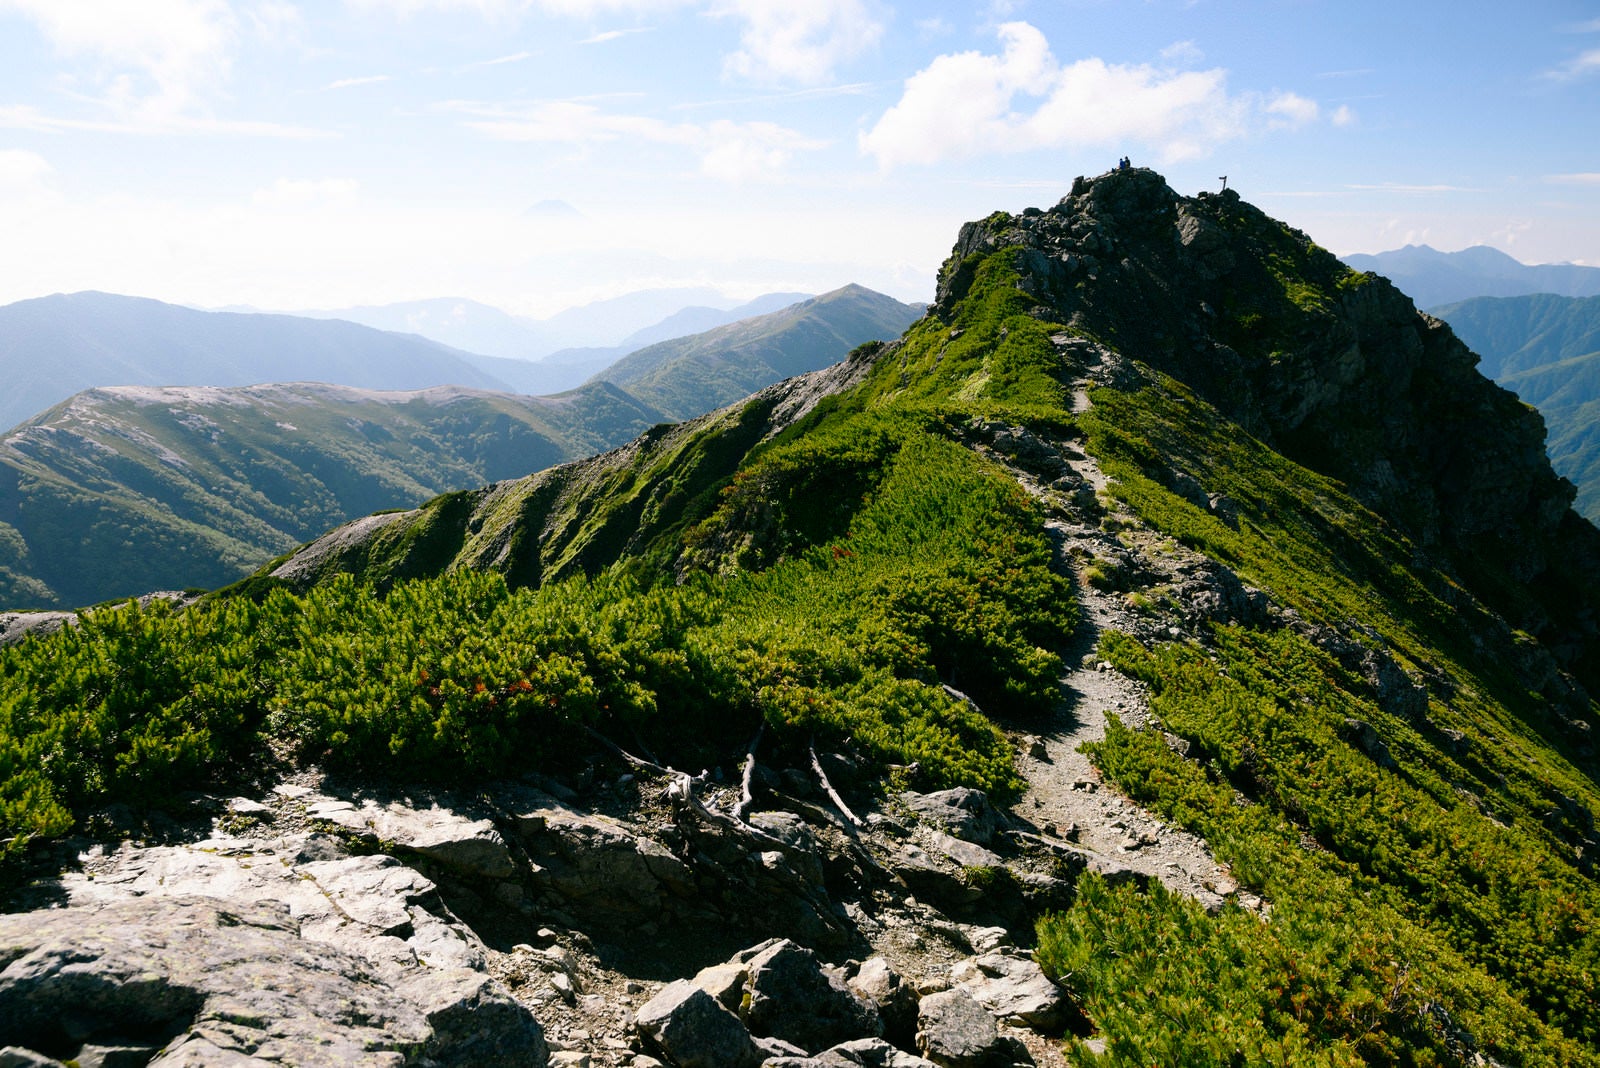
[{"x": 1224, "y": 183}]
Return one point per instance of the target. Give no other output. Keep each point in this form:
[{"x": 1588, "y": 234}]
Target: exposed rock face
[
  {"x": 1344, "y": 374},
  {"x": 209, "y": 981}
]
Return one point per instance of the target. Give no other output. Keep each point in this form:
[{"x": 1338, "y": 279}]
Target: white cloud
[
  {"x": 799, "y": 41},
  {"x": 351, "y": 83},
  {"x": 728, "y": 151},
  {"x": 1182, "y": 52},
  {"x": 966, "y": 104},
  {"x": 156, "y": 57},
  {"x": 1583, "y": 178},
  {"x": 23, "y": 117},
  {"x": 1581, "y": 66},
  {"x": 1343, "y": 116},
  {"x": 289, "y": 192},
  {"x": 1292, "y": 110},
  {"x": 780, "y": 41},
  {"x": 23, "y": 174}
]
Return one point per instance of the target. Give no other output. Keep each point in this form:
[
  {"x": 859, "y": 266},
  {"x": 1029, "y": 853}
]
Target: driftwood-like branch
[
  {"x": 833, "y": 795},
  {"x": 628, "y": 758},
  {"x": 741, "y": 811}
]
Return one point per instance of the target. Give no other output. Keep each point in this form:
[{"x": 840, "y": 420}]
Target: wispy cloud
[
  {"x": 1583, "y": 65},
  {"x": 514, "y": 57},
  {"x": 1353, "y": 72},
  {"x": 156, "y": 57},
  {"x": 1400, "y": 187},
  {"x": 968, "y": 104},
  {"x": 799, "y": 41},
  {"x": 1581, "y": 178},
  {"x": 728, "y": 151},
  {"x": 22, "y": 117},
  {"x": 613, "y": 35},
  {"x": 289, "y": 192},
  {"x": 350, "y": 83}
]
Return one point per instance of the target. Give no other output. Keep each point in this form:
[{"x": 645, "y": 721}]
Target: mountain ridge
[
  {"x": 1431, "y": 277},
  {"x": 51, "y": 347}
]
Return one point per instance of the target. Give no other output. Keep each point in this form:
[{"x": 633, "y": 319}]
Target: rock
[
  {"x": 954, "y": 1031},
  {"x": 462, "y": 845},
  {"x": 221, "y": 982},
  {"x": 862, "y": 1053},
  {"x": 692, "y": 1030},
  {"x": 1361, "y": 734},
  {"x": 17, "y": 1057},
  {"x": 372, "y": 890},
  {"x": 792, "y": 998},
  {"x": 964, "y": 812},
  {"x": 894, "y": 1000},
  {"x": 1013, "y": 988},
  {"x": 725, "y": 982}
]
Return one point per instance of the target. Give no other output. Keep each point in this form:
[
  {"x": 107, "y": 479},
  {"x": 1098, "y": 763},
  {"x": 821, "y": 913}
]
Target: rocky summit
[{"x": 1170, "y": 651}]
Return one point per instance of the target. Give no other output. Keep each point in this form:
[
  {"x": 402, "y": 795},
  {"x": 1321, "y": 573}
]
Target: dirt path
[{"x": 1066, "y": 798}]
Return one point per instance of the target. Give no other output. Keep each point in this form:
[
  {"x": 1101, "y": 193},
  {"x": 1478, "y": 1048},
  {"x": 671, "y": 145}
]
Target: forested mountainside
[
  {"x": 128, "y": 489},
  {"x": 1546, "y": 349},
  {"x": 1151, "y": 462}
]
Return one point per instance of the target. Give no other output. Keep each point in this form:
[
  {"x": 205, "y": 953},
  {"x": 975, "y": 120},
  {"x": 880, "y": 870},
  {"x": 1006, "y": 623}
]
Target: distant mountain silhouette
[
  {"x": 53, "y": 347},
  {"x": 1431, "y": 277},
  {"x": 687, "y": 376}
]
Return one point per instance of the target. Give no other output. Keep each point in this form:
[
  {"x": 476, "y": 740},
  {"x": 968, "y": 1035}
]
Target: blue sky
[{"x": 536, "y": 154}]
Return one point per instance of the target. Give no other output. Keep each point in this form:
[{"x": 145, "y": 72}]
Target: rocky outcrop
[
  {"x": 1336, "y": 369},
  {"x": 202, "y": 980}
]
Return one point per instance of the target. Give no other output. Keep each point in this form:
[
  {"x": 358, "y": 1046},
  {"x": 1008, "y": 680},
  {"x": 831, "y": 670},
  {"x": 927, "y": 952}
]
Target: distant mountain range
[
  {"x": 1546, "y": 348},
  {"x": 622, "y": 323},
  {"x": 688, "y": 376},
  {"x": 125, "y": 489},
  {"x": 52, "y": 347},
  {"x": 1430, "y": 277}
]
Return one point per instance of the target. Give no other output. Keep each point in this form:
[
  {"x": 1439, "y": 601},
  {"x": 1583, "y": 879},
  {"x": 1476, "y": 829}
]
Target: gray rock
[
  {"x": 954, "y": 1031},
  {"x": 1012, "y": 987},
  {"x": 1361, "y": 734},
  {"x": 17, "y": 1057},
  {"x": 964, "y": 812},
  {"x": 880, "y": 986},
  {"x": 692, "y": 1030},
  {"x": 241, "y": 985},
  {"x": 462, "y": 845},
  {"x": 791, "y": 997}
]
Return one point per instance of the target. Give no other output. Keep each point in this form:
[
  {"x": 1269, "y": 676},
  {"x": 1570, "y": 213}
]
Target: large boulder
[
  {"x": 458, "y": 843},
  {"x": 963, "y": 812},
  {"x": 790, "y": 996},
  {"x": 229, "y": 982},
  {"x": 691, "y": 1029},
  {"x": 954, "y": 1031},
  {"x": 1012, "y": 987}
]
